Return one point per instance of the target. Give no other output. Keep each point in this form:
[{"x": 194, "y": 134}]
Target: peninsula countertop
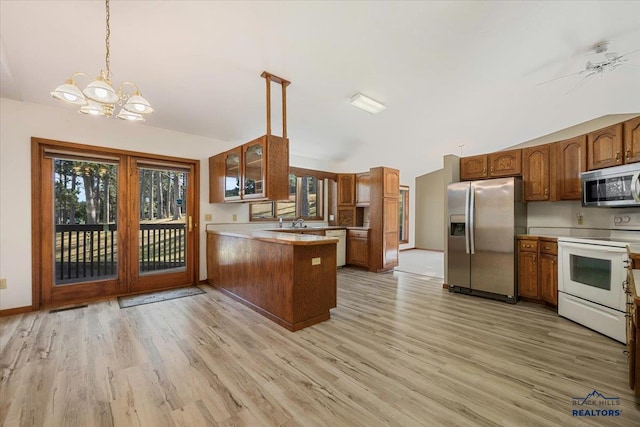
[{"x": 283, "y": 238}]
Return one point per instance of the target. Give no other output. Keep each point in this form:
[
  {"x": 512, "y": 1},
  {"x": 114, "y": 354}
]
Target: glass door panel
[
  {"x": 254, "y": 171},
  {"x": 162, "y": 236},
  {"x": 232, "y": 175},
  {"x": 85, "y": 214}
]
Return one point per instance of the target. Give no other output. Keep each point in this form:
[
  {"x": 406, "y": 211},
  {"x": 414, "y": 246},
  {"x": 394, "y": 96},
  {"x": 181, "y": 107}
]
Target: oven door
[{"x": 593, "y": 272}]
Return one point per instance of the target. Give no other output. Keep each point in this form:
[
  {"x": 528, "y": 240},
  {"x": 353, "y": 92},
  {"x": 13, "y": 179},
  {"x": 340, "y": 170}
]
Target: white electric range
[{"x": 592, "y": 277}]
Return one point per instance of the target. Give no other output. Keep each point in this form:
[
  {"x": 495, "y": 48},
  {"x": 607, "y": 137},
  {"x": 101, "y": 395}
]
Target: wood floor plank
[{"x": 398, "y": 350}]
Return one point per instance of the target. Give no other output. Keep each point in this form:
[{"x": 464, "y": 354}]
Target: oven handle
[
  {"x": 635, "y": 188},
  {"x": 589, "y": 246}
]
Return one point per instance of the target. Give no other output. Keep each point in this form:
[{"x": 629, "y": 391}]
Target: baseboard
[
  {"x": 16, "y": 310},
  {"x": 427, "y": 249}
]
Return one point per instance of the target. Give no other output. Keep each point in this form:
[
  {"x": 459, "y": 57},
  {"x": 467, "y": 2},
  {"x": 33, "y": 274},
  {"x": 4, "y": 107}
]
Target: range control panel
[{"x": 626, "y": 221}]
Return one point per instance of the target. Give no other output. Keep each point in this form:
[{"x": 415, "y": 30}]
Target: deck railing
[{"x": 90, "y": 252}]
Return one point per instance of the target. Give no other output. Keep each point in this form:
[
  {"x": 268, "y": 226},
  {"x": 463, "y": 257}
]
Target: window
[
  {"x": 305, "y": 201},
  {"x": 403, "y": 215}
]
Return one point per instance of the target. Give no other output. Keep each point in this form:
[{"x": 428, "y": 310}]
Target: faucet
[{"x": 297, "y": 222}]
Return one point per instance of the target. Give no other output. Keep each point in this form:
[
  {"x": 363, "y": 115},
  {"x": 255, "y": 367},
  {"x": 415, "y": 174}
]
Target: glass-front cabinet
[
  {"x": 232, "y": 175},
  {"x": 257, "y": 170},
  {"x": 254, "y": 171}
]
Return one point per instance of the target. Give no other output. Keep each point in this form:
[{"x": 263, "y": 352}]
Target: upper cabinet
[
  {"x": 494, "y": 165},
  {"x": 604, "y": 147},
  {"x": 232, "y": 174},
  {"x": 473, "y": 167},
  {"x": 346, "y": 189},
  {"x": 632, "y": 140},
  {"x": 391, "y": 183},
  {"x": 535, "y": 173},
  {"x": 363, "y": 188},
  {"x": 552, "y": 171},
  {"x": 505, "y": 163},
  {"x": 571, "y": 158},
  {"x": 346, "y": 199},
  {"x": 257, "y": 170}
]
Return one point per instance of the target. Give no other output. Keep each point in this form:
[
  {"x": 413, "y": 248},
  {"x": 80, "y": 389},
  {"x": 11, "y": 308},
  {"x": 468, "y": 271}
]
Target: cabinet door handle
[
  {"x": 617, "y": 155},
  {"x": 484, "y": 170},
  {"x": 628, "y": 154},
  {"x": 546, "y": 191}
]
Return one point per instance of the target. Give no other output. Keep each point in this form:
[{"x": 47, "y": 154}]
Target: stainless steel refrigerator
[{"x": 484, "y": 218}]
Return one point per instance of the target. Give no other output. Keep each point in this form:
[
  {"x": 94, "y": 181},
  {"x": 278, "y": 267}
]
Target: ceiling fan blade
[
  {"x": 561, "y": 77},
  {"x": 581, "y": 81},
  {"x": 629, "y": 53}
]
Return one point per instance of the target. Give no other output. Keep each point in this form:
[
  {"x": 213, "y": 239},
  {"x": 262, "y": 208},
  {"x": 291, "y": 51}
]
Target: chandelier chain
[{"x": 107, "y": 57}]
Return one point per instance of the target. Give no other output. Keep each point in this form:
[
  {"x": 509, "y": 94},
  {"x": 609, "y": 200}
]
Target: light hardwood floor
[{"x": 399, "y": 350}]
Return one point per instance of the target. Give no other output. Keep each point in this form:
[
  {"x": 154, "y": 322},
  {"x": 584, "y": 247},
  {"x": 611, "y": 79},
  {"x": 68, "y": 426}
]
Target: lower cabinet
[
  {"x": 538, "y": 269},
  {"x": 528, "y": 269},
  {"x": 549, "y": 272},
  {"x": 358, "y": 248}
]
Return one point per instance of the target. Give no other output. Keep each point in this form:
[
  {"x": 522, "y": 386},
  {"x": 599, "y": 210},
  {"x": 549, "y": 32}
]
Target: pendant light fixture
[{"x": 99, "y": 98}]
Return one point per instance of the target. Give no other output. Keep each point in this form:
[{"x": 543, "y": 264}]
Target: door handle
[{"x": 190, "y": 223}]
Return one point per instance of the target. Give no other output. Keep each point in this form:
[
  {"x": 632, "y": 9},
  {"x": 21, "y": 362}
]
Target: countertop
[
  {"x": 537, "y": 236},
  {"x": 280, "y": 238},
  {"x": 313, "y": 227}
]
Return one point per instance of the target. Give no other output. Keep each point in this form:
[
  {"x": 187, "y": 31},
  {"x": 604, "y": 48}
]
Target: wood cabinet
[
  {"x": 538, "y": 269},
  {"x": 473, "y": 167},
  {"x": 505, "y": 163},
  {"x": 346, "y": 189},
  {"x": 535, "y": 173},
  {"x": 291, "y": 282},
  {"x": 363, "y": 183},
  {"x": 633, "y": 328},
  {"x": 548, "y": 271},
  {"x": 571, "y": 161},
  {"x": 494, "y": 165},
  {"x": 632, "y": 140},
  {"x": 346, "y": 216},
  {"x": 346, "y": 211},
  {"x": 385, "y": 228},
  {"x": 257, "y": 170},
  {"x": 358, "y": 247},
  {"x": 528, "y": 268},
  {"x": 391, "y": 183},
  {"x": 604, "y": 147}
]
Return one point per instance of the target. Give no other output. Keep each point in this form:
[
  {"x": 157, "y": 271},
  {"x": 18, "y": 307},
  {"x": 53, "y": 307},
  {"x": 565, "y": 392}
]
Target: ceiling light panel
[{"x": 367, "y": 104}]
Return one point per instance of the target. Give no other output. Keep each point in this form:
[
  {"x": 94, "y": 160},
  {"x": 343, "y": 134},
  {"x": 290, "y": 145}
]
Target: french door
[
  {"x": 161, "y": 206},
  {"x": 110, "y": 222}
]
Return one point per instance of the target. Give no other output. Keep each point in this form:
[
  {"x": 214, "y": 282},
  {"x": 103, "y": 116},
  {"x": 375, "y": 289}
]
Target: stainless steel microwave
[{"x": 612, "y": 187}]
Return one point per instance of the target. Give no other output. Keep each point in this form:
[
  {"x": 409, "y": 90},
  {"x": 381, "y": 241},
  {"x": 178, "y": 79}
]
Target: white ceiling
[{"x": 450, "y": 73}]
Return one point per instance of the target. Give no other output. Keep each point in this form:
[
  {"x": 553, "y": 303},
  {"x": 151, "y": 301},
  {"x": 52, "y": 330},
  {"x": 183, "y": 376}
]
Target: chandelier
[{"x": 99, "y": 98}]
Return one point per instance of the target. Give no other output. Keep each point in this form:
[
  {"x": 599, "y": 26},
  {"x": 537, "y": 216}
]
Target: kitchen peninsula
[{"x": 288, "y": 278}]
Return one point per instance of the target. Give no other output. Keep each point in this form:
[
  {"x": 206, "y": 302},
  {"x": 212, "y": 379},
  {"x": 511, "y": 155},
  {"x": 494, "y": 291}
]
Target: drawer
[
  {"x": 528, "y": 245},
  {"x": 548, "y": 247},
  {"x": 363, "y": 234}
]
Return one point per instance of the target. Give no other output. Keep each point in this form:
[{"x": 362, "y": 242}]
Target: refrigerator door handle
[
  {"x": 466, "y": 220},
  {"x": 471, "y": 219}
]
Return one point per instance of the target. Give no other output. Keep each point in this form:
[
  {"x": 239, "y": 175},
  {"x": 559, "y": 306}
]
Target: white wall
[
  {"x": 429, "y": 211},
  {"x": 21, "y": 121}
]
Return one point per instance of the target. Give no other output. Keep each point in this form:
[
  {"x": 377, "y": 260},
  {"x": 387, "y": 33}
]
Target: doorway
[{"x": 110, "y": 222}]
